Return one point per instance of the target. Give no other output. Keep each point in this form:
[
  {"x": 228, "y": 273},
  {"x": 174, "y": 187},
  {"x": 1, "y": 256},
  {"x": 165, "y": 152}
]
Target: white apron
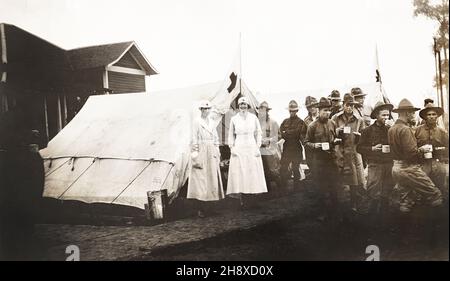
[{"x": 246, "y": 173}]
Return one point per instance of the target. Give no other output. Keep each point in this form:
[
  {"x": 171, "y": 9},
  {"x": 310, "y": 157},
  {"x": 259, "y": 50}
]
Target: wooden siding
[{"x": 126, "y": 83}]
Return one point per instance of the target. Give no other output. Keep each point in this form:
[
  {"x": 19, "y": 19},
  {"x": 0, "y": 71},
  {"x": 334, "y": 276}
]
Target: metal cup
[
  {"x": 385, "y": 148},
  {"x": 429, "y": 154},
  {"x": 325, "y": 146}
]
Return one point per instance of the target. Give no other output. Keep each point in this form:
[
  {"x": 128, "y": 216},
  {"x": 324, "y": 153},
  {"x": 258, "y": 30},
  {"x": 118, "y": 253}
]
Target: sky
[{"x": 285, "y": 45}]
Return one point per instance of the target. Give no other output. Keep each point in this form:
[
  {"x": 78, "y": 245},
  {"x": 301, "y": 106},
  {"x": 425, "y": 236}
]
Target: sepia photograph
[{"x": 204, "y": 131}]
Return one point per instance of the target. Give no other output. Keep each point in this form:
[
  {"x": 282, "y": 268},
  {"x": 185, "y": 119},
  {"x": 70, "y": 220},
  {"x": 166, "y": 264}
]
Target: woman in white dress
[
  {"x": 205, "y": 182},
  {"x": 246, "y": 173}
]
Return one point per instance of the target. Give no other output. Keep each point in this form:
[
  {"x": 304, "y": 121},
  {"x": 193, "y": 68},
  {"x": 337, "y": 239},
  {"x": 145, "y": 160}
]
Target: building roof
[
  {"x": 92, "y": 56},
  {"x": 107, "y": 55},
  {"x": 96, "y": 56},
  {"x": 37, "y": 52}
]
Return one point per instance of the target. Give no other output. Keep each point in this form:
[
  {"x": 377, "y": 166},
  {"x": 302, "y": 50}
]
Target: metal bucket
[{"x": 157, "y": 201}]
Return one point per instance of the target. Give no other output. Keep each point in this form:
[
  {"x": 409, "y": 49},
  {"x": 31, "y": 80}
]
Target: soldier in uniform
[
  {"x": 293, "y": 131},
  {"x": 335, "y": 98},
  {"x": 349, "y": 128},
  {"x": 412, "y": 182},
  {"x": 429, "y": 133},
  {"x": 374, "y": 146},
  {"x": 321, "y": 138},
  {"x": 360, "y": 108},
  {"x": 312, "y": 111}
]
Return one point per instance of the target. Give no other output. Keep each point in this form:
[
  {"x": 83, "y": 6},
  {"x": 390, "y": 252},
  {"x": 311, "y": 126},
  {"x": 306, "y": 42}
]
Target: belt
[{"x": 403, "y": 162}]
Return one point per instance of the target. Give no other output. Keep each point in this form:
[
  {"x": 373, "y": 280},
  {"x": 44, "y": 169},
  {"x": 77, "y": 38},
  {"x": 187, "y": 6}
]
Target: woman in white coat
[
  {"x": 246, "y": 173},
  {"x": 205, "y": 182}
]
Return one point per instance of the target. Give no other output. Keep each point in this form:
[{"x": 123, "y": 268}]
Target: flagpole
[
  {"x": 240, "y": 63},
  {"x": 437, "y": 72},
  {"x": 378, "y": 67},
  {"x": 378, "y": 76},
  {"x": 440, "y": 78}
]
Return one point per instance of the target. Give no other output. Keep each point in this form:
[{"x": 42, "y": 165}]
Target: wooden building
[{"x": 56, "y": 82}]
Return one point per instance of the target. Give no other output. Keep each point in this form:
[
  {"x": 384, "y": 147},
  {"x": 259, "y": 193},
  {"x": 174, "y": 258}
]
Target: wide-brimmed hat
[
  {"x": 380, "y": 106},
  {"x": 264, "y": 104},
  {"x": 405, "y": 105},
  {"x": 335, "y": 95},
  {"x": 310, "y": 101},
  {"x": 293, "y": 106},
  {"x": 243, "y": 100},
  {"x": 204, "y": 104},
  {"x": 428, "y": 107},
  {"x": 357, "y": 92},
  {"x": 427, "y": 101},
  {"x": 349, "y": 99},
  {"x": 323, "y": 103}
]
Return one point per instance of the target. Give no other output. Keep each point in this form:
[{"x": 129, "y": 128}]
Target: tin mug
[{"x": 429, "y": 154}]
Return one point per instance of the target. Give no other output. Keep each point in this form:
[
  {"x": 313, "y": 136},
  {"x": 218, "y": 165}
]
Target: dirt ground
[
  {"x": 303, "y": 236},
  {"x": 287, "y": 226}
]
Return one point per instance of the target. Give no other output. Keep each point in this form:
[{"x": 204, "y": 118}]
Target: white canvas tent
[{"x": 119, "y": 147}]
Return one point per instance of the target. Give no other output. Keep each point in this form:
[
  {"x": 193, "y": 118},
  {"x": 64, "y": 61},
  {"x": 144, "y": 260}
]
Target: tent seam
[
  {"x": 93, "y": 161},
  {"x": 57, "y": 168},
  {"x": 132, "y": 181}
]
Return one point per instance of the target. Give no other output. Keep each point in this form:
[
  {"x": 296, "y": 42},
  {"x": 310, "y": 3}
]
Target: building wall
[
  {"x": 86, "y": 81},
  {"x": 126, "y": 83}
]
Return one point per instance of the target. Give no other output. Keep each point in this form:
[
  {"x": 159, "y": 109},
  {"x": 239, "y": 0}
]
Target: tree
[{"x": 439, "y": 13}]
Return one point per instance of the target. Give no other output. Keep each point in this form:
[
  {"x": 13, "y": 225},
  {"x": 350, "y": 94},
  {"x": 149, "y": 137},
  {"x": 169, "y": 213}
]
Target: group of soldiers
[{"x": 379, "y": 161}]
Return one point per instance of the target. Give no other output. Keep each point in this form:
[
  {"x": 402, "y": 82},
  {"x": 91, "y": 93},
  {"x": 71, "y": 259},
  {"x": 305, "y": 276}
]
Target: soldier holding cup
[{"x": 321, "y": 139}]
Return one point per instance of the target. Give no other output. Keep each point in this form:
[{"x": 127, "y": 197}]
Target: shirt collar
[
  {"x": 379, "y": 126},
  {"x": 429, "y": 128},
  {"x": 351, "y": 118},
  {"x": 325, "y": 121}
]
